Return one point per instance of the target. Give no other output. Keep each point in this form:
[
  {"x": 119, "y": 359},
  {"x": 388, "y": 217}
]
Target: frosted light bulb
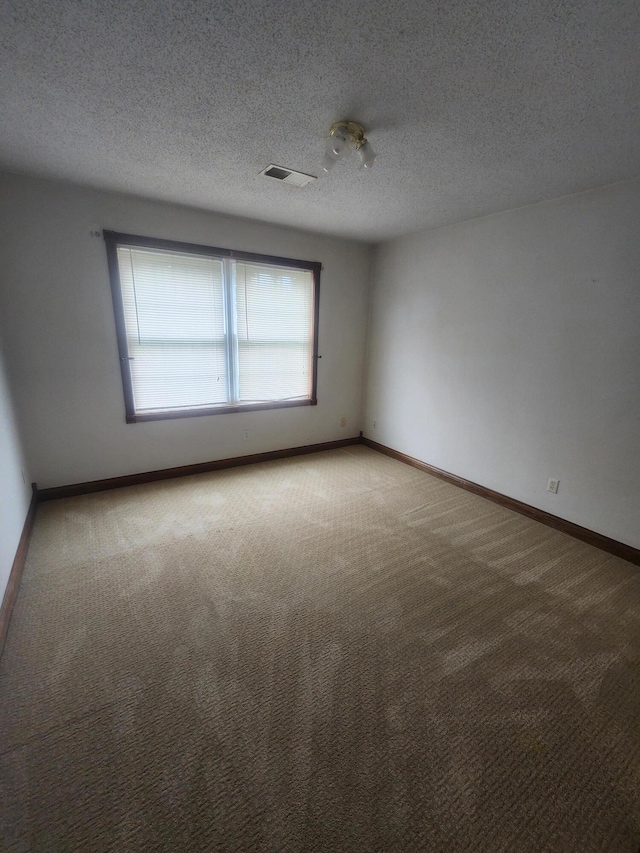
[
  {"x": 338, "y": 145},
  {"x": 328, "y": 162},
  {"x": 366, "y": 155}
]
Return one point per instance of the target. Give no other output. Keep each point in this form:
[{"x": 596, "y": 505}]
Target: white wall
[
  {"x": 507, "y": 350},
  {"x": 15, "y": 491},
  {"x": 61, "y": 341}
]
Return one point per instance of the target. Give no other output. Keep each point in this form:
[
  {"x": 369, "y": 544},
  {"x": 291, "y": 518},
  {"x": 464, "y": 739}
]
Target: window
[{"x": 203, "y": 330}]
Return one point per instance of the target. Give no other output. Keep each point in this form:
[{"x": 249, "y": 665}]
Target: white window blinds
[
  {"x": 174, "y": 315},
  {"x": 201, "y": 332},
  {"x": 275, "y": 335}
]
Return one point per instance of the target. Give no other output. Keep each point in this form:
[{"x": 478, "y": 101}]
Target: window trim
[{"x": 113, "y": 239}]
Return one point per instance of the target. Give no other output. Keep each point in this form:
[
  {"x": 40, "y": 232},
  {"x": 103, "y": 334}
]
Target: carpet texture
[{"x": 333, "y": 653}]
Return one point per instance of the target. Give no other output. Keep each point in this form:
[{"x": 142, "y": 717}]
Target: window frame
[{"x": 114, "y": 239}]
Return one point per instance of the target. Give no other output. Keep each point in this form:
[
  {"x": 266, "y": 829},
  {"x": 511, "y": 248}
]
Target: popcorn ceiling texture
[
  {"x": 332, "y": 653},
  {"x": 472, "y": 107}
]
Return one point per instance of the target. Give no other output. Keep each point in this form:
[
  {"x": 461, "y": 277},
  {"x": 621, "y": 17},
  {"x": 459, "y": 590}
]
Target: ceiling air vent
[{"x": 288, "y": 176}]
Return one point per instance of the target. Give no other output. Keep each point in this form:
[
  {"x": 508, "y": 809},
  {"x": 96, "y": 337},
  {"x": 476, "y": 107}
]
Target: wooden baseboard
[
  {"x": 13, "y": 584},
  {"x": 611, "y": 546},
  {"x": 187, "y": 470}
]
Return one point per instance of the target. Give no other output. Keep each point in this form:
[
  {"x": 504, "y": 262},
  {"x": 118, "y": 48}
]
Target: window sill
[{"x": 170, "y": 414}]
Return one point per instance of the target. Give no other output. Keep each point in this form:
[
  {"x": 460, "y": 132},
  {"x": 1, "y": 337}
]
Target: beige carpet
[{"x": 332, "y": 653}]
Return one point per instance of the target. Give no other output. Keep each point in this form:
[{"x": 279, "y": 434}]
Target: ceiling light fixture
[{"x": 344, "y": 137}]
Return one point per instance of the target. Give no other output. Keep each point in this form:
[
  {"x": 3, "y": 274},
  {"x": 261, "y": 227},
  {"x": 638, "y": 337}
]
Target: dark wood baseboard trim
[
  {"x": 15, "y": 576},
  {"x": 612, "y": 546},
  {"x": 187, "y": 470}
]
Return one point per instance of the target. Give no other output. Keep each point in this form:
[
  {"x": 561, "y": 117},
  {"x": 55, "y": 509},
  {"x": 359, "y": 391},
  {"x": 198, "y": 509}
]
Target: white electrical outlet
[
  {"x": 375, "y": 424},
  {"x": 246, "y": 435},
  {"x": 343, "y": 421},
  {"x": 553, "y": 485}
]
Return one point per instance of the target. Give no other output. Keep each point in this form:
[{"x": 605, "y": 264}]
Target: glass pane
[
  {"x": 174, "y": 316},
  {"x": 275, "y": 332}
]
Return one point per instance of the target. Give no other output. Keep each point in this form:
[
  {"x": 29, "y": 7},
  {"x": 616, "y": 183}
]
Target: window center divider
[{"x": 230, "y": 295}]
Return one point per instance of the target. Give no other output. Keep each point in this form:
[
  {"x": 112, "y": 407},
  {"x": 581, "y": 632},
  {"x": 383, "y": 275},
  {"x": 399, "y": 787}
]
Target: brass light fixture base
[{"x": 353, "y": 129}]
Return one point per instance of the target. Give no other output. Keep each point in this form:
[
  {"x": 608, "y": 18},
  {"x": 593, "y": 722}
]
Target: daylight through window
[{"x": 204, "y": 330}]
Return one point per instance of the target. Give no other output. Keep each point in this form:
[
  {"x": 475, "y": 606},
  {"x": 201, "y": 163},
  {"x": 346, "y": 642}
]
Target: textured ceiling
[{"x": 472, "y": 107}]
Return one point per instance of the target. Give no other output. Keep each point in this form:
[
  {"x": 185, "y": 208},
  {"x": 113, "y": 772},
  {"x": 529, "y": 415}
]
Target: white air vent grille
[{"x": 288, "y": 176}]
